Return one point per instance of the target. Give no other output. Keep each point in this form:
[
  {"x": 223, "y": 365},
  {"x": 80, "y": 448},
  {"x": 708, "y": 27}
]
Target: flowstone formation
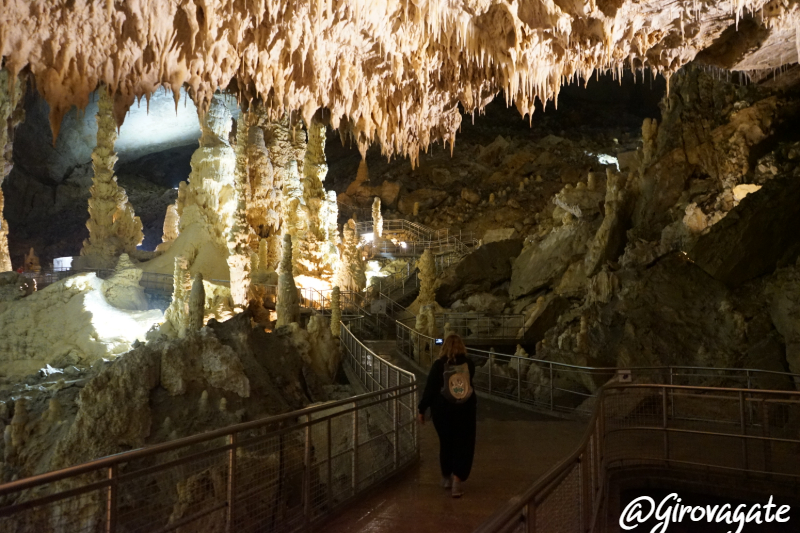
[
  {"x": 377, "y": 221},
  {"x": 11, "y": 114},
  {"x": 399, "y": 83},
  {"x": 113, "y": 227},
  {"x": 207, "y": 205}
]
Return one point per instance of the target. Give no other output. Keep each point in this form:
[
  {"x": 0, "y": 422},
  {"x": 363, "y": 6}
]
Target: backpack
[{"x": 457, "y": 388}]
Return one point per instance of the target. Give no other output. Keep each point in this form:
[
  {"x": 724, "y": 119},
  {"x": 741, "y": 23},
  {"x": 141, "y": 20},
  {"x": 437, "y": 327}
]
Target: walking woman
[{"x": 453, "y": 404}]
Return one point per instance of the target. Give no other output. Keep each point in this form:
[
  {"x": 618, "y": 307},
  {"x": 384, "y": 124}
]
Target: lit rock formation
[
  {"x": 11, "y": 114},
  {"x": 336, "y": 312},
  {"x": 390, "y": 72},
  {"x": 113, "y": 227},
  {"x": 197, "y": 303},
  {"x": 427, "y": 279},
  {"x": 288, "y": 303},
  {"x": 351, "y": 275},
  {"x": 377, "y": 220},
  {"x": 240, "y": 234},
  {"x": 176, "y": 317},
  {"x": 122, "y": 289},
  {"x": 31, "y": 262},
  {"x": 171, "y": 228},
  {"x": 208, "y": 204}
]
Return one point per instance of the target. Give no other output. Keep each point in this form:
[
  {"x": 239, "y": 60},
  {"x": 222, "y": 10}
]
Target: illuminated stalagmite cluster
[{"x": 391, "y": 72}]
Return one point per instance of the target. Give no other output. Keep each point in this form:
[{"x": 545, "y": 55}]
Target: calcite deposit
[
  {"x": 113, "y": 227},
  {"x": 10, "y": 116}
]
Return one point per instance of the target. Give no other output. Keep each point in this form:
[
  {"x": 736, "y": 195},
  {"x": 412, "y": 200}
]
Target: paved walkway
[{"x": 514, "y": 447}]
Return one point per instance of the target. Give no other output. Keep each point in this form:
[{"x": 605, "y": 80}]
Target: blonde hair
[{"x": 453, "y": 347}]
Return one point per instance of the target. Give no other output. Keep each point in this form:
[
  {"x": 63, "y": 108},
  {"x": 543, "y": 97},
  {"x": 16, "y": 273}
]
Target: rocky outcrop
[
  {"x": 754, "y": 237},
  {"x": 544, "y": 261},
  {"x": 481, "y": 269},
  {"x": 423, "y": 198}
]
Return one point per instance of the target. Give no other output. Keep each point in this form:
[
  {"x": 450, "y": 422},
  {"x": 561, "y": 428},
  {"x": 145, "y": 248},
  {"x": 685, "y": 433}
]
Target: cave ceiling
[{"x": 397, "y": 72}]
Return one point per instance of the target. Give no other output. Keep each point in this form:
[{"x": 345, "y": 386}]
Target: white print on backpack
[{"x": 644, "y": 507}]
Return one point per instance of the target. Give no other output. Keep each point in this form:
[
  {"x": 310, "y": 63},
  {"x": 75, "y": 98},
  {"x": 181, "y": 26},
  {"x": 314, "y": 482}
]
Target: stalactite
[
  {"x": 197, "y": 304},
  {"x": 336, "y": 311},
  {"x": 11, "y": 114},
  {"x": 113, "y": 227},
  {"x": 288, "y": 304}
]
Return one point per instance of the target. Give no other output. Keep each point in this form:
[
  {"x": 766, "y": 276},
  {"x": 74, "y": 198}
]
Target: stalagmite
[
  {"x": 176, "y": 317},
  {"x": 288, "y": 303},
  {"x": 427, "y": 279},
  {"x": 336, "y": 311},
  {"x": 377, "y": 220},
  {"x": 31, "y": 262},
  {"x": 171, "y": 227},
  {"x": 11, "y": 114},
  {"x": 240, "y": 234},
  {"x": 113, "y": 227},
  {"x": 197, "y": 304},
  {"x": 352, "y": 272}
]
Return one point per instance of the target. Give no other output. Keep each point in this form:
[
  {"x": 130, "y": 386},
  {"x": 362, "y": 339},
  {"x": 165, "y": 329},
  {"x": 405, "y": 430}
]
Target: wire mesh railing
[
  {"x": 560, "y": 387},
  {"x": 281, "y": 473},
  {"x": 740, "y": 432}
]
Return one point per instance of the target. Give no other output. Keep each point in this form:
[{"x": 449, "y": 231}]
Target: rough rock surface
[
  {"x": 755, "y": 236},
  {"x": 122, "y": 289},
  {"x": 546, "y": 260},
  {"x": 483, "y": 268}
]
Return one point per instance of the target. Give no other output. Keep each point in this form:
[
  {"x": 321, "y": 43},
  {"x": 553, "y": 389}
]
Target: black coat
[{"x": 455, "y": 423}]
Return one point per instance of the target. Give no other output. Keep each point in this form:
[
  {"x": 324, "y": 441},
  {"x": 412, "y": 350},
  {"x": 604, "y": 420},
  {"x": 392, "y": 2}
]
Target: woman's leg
[
  {"x": 464, "y": 445},
  {"x": 445, "y": 433}
]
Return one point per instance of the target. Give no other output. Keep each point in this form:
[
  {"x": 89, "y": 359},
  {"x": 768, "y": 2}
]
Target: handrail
[
  {"x": 599, "y": 449},
  {"x": 563, "y": 387}
]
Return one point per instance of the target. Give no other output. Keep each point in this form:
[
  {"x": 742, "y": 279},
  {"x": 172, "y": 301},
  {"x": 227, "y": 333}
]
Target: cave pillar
[
  {"x": 113, "y": 227},
  {"x": 288, "y": 302},
  {"x": 427, "y": 278},
  {"x": 11, "y": 114},
  {"x": 239, "y": 236}
]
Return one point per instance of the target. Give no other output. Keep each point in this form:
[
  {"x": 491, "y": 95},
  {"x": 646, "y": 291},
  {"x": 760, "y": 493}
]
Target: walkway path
[{"x": 514, "y": 447}]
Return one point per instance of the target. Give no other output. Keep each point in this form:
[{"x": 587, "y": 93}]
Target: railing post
[
  {"x": 743, "y": 430},
  {"x": 112, "y": 499},
  {"x": 329, "y": 446},
  {"x": 552, "y": 406},
  {"x": 530, "y": 518},
  {"x": 519, "y": 380},
  {"x": 355, "y": 449},
  {"x": 765, "y": 434},
  {"x": 664, "y": 422},
  {"x": 396, "y": 422},
  {"x": 491, "y": 371},
  {"x": 231, "y": 483},
  {"x": 307, "y": 475}
]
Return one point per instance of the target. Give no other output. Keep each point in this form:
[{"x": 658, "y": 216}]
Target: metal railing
[
  {"x": 565, "y": 388},
  {"x": 281, "y": 473},
  {"x": 480, "y": 326},
  {"x": 741, "y": 432}
]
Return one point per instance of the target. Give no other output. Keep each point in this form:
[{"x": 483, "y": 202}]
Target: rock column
[
  {"x": 113, "y": 227},
  {"x": 11, "y": 114},
  {"x": 288, "y": 304}
]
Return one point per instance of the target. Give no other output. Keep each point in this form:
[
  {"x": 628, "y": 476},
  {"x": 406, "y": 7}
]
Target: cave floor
[{"x": 514, "y": 447}]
